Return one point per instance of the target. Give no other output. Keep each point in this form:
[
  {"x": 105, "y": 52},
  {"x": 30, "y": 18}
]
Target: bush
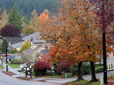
[
  {"x": 15, "y": 61},
  {"x": 63, "y": 67},
  {"x": 40, "y": 67},
  {"x": 12, "y": 51},
  {"x": 86, "y": 68},
  {"x": 74, "y": 70},
  {"x": 99, "y": 69},
  {"x": 55, "y": 67},
  {"x": 97, "y": 65}
]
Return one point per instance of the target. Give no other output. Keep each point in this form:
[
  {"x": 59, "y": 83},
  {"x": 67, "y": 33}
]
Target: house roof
[
  {"x": 39, "y": 41},
  {"x": 30, "y": 51},
  {"x": 33, "y": 36},
  {"x": 44, "y": 51},
  {"x": 14, "y": 40},
  {"x": 16, "y": 45}
]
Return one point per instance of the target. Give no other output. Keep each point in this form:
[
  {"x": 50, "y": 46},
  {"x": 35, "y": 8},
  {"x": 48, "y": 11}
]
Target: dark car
[{"x": 10, "y": 57}]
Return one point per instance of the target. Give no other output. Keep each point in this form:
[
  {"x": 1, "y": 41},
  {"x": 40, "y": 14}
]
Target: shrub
[
  {"x": 86, "y": 68},
  {"x": 55, "y": 67},
  {"x": 74, "y": 70},
  {"x": 12, "y": 51},
  {"x": 99, "y": 69},
  {"x": 15, "y": 61},
  {"x": 63, "y": 67},
  {"x": 40, "y": 67},
  {"x": 97, "y": 65}
]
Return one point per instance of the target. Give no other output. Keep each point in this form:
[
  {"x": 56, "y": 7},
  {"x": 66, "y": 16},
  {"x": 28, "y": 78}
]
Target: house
[
  {"x": 36, "y": 47},
  {"x": 44, "y": 55},
  {"x": 14, "y": 42},
  {"x": 33, "y": 36}
]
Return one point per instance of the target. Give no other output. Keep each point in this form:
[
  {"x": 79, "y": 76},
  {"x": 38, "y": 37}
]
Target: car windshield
[{"x": 11, "y": 56}]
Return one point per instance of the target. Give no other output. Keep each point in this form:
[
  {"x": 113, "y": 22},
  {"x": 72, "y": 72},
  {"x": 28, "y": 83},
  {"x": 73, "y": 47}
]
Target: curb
[{"x": 7, "y": 73}]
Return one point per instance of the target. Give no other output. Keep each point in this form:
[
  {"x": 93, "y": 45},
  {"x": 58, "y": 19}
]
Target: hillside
[{"x": 25, "y": 7}]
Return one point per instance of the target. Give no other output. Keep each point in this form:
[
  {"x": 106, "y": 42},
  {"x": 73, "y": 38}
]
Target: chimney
[
  {"x": 31, "y": 43},
  {"x": 46, "y": 47}
]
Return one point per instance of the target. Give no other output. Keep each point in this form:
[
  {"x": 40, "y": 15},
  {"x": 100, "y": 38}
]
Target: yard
[
  {"x": 1, "y": 67},
  {"x": 14, "y": 65}
]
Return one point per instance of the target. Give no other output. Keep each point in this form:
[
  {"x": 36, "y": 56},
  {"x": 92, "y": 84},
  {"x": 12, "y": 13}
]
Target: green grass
[
  {"x": 52, "y": 75},
  {"x": 14, "y": 65},
  {"x": 85, "y": 82},
  {"x": 1, "y": 67}
]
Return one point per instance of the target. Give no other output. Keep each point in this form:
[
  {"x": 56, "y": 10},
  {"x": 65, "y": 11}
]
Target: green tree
[
  {"x": 3, "y": 47},
  {"x": 15, "y": 19},
  {"x": 25, "y": 46}
]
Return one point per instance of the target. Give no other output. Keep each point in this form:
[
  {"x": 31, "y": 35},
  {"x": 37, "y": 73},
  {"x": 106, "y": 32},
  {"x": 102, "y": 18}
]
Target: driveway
[{"x": 8, "y": 80}]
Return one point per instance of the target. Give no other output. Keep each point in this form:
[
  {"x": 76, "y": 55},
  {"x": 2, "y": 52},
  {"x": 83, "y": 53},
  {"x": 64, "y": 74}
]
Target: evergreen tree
[
  {"x": 3, "y": 47},
  {"x": 15, "y": 18}
]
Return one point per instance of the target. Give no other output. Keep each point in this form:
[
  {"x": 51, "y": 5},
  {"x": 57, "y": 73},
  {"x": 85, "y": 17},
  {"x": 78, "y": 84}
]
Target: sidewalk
[
  {"x": 18, "y": 74},
  {"x": 56, "y": 80},
  {"x": 65, "y": 80}
]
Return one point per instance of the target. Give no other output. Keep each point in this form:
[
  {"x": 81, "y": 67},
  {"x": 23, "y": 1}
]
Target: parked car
[
  {"x": 22, "y": 66},
  {"x": 9, "y": 58}
]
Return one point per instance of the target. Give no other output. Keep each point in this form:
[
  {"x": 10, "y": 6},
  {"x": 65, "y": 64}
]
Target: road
[{"x": 8, "y": 80}]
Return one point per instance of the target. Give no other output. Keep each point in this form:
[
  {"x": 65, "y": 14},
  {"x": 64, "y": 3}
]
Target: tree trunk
[
  {"x": 26, "y": 72},
  {"x": 30, "y": 72},
  {"x": 80, "y": 71},
  {"x": 92, "y": 64}
]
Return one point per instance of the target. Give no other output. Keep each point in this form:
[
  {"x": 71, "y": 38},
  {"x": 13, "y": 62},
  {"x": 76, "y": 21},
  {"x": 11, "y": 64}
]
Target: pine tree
[
  {"x": 3, "y": 47},
  {"x": 15, "y": 18}
]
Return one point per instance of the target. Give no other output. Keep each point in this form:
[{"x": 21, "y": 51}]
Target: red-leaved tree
[
  {"x": 41, "y": 66},
  {"x": 10, "y": 31}
]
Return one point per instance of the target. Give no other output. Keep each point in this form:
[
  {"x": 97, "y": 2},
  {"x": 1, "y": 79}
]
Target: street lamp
[
  {"x": 104, "y": 44},
  {"x": 6, "y": 56},
  {"x": 6, "y": 52}
]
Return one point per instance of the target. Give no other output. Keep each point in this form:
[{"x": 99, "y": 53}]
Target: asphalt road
[{"x": 8, "y": 80}]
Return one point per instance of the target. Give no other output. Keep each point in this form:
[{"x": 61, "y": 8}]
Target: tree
[
  {"x": 3, "y": 47},
  {"x": 25, "y": 46},
  {"x": 29, "y": 30},
  {"x": 76, "y": 35},
  {"x": 106, "y": 16},
  {"x": 43, "y": 17},
  {"x": 1, "y": 11},
  {"x": 15, "y": 19},
  {"x": 10, "y": 31},
  {"x": 4, "y": 19},
  {"x": 35, "y": 21}
]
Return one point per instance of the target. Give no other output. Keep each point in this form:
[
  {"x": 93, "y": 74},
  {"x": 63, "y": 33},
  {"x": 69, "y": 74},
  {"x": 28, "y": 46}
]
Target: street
[{"x": 8, "y": 80}]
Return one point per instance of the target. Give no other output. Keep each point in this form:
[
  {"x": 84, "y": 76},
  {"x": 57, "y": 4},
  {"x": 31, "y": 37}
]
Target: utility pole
[{"x": 104, "y": 43}]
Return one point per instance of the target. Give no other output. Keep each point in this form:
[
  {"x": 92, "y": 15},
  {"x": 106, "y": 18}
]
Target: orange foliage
[
  {"x": 74, "y": 33},
  {"x": 43, "y": 17}
]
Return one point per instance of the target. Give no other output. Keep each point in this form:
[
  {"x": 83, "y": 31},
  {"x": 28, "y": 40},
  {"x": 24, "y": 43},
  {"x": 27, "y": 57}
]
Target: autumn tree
[
  {"x": 4, "y": 19},
  {"x": 15, "y": 19},
  {"x": 10, "y": 31},
  {"x": 76, "y": 35},
  {"x": 25, "y": 46},
  {"x": 43, "y": 17},
  {"x": 105, "y": 14},
  {"x": 35, "y": 21},
  {"x": 29, "y": 30}
]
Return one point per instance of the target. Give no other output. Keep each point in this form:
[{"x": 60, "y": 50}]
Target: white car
[{"x": 22, "y": 66}]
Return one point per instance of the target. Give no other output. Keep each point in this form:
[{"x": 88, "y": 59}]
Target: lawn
[
  {"x": 54, "y": 75},
  {"x": 85, "y": 82},
  {"x": 14, "y": 65},
  {"x": 1, "y": 67}
]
